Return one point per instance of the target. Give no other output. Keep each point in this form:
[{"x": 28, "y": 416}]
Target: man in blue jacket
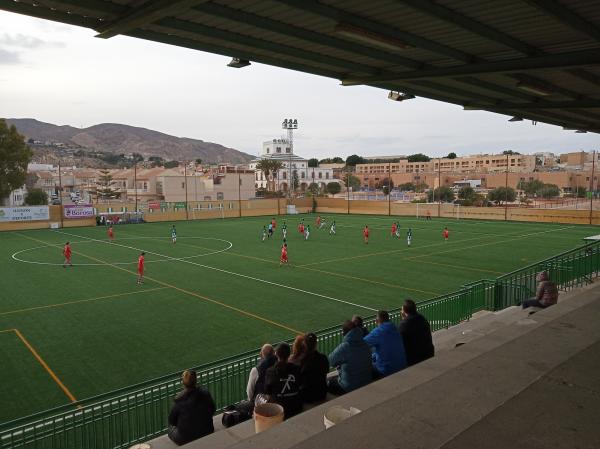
[
  {"x": 388, "y": 348},
  {"x": 353, "y": 361}
]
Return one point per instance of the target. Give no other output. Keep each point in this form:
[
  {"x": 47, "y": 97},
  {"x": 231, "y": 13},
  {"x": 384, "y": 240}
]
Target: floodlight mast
[{"x": 290, "y": 125}]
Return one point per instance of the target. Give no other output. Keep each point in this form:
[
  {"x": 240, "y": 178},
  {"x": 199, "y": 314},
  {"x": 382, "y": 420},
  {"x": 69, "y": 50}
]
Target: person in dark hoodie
[
  {"x": 192, "y": 414},
  {"x": 314, "y": 369},
  {"x": 388, "y": 346},
  {"x": 283, "y": 382},
  {"x": 352, "y": 358},
  {"x": 416, "y": 334}
]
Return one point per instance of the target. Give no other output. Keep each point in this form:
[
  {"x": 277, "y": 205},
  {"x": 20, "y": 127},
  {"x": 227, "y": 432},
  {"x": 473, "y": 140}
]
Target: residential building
[
  {"x": 280, "y": 149},
  {"x": 488, "y": 163}
]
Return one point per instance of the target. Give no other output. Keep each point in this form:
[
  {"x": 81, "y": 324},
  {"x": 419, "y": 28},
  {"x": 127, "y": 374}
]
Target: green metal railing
[{"x": 138, "y": 413}]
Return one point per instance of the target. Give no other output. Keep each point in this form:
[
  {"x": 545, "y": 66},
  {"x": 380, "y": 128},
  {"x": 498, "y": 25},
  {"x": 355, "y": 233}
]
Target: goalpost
[
  {"x": 423, "y": 208},
  {"x": 432, "y": 208},
  {"x": 211, "y": 211}
]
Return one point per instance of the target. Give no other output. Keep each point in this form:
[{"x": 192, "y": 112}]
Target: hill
[{"x": 117, "y": 138}]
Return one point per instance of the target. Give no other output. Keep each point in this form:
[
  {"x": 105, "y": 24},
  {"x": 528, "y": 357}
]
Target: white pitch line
[
  {"x": 34, "y": 262},
  {"x": 225, "y": 271}
]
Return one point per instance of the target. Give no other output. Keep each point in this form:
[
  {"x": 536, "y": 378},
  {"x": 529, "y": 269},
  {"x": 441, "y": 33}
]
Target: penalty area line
[{"x": 276, "y": 284}]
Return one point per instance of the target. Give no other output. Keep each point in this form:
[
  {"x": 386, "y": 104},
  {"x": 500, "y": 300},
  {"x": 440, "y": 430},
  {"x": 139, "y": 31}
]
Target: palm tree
[{"x": 269, "y": 167}]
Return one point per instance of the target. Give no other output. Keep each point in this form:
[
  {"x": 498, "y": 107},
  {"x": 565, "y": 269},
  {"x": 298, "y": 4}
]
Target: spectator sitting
[
  {"x": 546, "y": 295},
  {"x": 192, "y": 414},
  {"x": 256, "y": 380},
  {"x": 283, "y": 382},
  {"x": 314, "y": 369},
  {"x": 298, "y": 351},
  {"x": 352, "y": 358},
  {"x": 416, "y": 334},
  {"x": 388, "y": 347},
  {"x": 358, "y": 322}
]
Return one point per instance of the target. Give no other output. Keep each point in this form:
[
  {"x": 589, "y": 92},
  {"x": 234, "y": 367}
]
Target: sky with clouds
[{"x": 63, "y": 75}]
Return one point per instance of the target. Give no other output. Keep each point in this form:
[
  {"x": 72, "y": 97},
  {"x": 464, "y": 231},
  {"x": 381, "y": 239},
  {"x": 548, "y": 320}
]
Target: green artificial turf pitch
[{"x": 220, "y": 291}]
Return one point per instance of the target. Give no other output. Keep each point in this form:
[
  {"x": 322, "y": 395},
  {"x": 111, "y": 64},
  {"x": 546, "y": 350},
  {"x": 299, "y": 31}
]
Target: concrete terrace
[{"x": 507, "y": 379}]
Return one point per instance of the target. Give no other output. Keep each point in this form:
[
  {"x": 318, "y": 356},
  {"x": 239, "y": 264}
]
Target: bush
[
  {"x": 36, "y": 197},
  {"x": 333, "y": 188},
  {"x": 444, "y": 194}
]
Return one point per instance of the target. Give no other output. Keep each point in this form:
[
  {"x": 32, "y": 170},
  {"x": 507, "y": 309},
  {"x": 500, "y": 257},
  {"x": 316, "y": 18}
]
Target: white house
[{"x": 281, "y": 150}]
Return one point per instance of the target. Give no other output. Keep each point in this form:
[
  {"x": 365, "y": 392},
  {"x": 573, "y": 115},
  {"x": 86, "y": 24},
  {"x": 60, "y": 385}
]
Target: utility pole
[
  {"x": 348, "y": 188},
  {"x": 187, "y": 214},
  {"x": 439, "y": 188},
  {"x": 62, "y": 209},
  {"x": 506, "y": 191},
  {"x": 592, "y": 186},
  {"x": 135, "y": 189},
  {"x": 389, "y": 188},
  {"x": 240, "y": 192}
]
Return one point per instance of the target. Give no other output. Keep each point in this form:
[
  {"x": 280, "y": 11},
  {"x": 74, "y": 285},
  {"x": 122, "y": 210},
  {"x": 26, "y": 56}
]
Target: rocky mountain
[{"x": 116, "y": 138}]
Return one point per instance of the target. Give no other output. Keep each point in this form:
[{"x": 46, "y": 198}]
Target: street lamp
[{"x": 290, "y": 125}]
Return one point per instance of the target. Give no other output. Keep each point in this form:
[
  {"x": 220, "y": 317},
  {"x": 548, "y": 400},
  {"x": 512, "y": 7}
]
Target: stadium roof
[{"x": 531, "y": 59}]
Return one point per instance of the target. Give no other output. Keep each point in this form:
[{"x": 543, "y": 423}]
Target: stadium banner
[
  {"x": 24, "y": 213},
  {"x": 77, "y": 211},
  {"x": 153, "y": 205}
]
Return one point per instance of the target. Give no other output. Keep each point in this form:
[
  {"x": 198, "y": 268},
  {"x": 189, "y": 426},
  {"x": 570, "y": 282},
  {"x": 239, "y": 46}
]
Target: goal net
[
  {"x": 207, "y": 212},
  {"x": 432, "y": 210}
]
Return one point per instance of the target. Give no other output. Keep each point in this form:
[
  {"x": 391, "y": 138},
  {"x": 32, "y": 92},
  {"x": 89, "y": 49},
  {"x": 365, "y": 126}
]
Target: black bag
[{"x": 237, "y": 413}]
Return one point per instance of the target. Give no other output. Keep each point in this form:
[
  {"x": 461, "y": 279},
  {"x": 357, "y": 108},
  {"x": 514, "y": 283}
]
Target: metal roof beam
[
  {"x": 230, "y": 52},
  {"x": 543, "y": 105},
  {"x": 567, "y": 16},
  {"x": 43, "y": 12},
  {"x": 535, "y": 115},
  {"x": 240, "y": 39},
  {"x": 556, "y": 61},
  {"x": 286, "y": 29},
  {"x": 337, "y": 15},
  {"x": 149, "y": 12},
  {"x": 466, "y": 23}
]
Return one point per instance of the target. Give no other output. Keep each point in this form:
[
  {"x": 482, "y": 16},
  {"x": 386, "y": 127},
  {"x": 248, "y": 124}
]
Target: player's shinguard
[
  {"x": 67, "y": 253},
  {"x": 173, "y": 234},
  {"x": 140, "y": 269}
]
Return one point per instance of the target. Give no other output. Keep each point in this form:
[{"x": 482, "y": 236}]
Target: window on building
[
  {"x": 302, "y": 175},
  {"x": 267, "y": 150},
  {"x": 284, "y": 175},
  {"x": 326, "y": 175},
  {"x": 278, "y": 149},
  {"x": 287, "y": 150},
  {"x": 220, "y": 196},
  {"x": 320, "y": 175},
  {"x": 183, "y": 185}
]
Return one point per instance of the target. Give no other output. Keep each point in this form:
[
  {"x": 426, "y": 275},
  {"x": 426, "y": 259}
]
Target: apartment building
[{"x": 488, "y": 163}]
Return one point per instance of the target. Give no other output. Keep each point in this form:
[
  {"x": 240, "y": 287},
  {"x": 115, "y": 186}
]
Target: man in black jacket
[
  {"x": 283, "y": 382},
  {"x": 416, "y": 334},
  {"x": 192, "y": 414},
  {"x": 314, "y": 369}
]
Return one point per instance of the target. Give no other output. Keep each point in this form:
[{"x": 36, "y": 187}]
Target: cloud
[
  {"x": 9, "y": 57},
  {"x": 29, "y": 42}
]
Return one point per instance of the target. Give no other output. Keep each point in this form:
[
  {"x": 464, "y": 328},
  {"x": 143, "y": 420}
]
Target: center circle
[{"x": 227, "y": 246}]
